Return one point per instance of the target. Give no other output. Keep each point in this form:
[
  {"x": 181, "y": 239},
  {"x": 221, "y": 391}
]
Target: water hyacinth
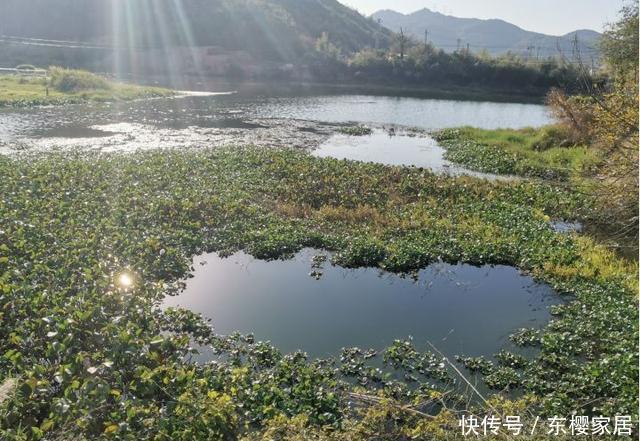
[
  {"x": 355, "y": 130},
  {"x": 534, "y": 153},
  {"x": 91, "y": 360}
]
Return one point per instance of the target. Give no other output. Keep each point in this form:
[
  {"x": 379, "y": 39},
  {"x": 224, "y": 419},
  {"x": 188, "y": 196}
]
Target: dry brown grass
[
  {"x": 7, "y": 388},
  {"x": 357, "y": 215}
]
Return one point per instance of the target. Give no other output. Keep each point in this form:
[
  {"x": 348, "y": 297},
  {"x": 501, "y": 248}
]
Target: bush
[
  {"x": 69, "y": 80},
  {"x": 548, "y": 137},
  {"x": 574, "y": 114}
]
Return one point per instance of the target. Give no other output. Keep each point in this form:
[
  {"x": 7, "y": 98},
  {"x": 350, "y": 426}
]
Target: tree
[
  {"x": 616, "y": 121},
  {"x": 325, "y": 47},
  {"x": 401, "y": 42},
  {"x": 607, "y": 117},
  {"x": 619, "y": 44}
]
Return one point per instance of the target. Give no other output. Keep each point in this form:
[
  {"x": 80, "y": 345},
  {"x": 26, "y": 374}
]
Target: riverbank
[
  {"x": 441, "y": 91},
  {"x": 301, "y": 88},
  {"x": 91, "y": 243},
  {"x": 19, "y": 91},
  {"x": 541, "y": 153},
  {"x": 536, "y": 153}
]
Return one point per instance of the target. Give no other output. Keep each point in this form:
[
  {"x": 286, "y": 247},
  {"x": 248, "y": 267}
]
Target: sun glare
[
  {"x": 125, "y": 281},
  {"x": 135, "y": 24}
]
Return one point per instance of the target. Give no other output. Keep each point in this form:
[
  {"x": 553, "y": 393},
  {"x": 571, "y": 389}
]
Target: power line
[
  {"x": 66, "y": 44},
  {"x": 29, "y": 41},
  {"x": 51, "y": 43},
  {"x": 511, "y": 47},
  {"x": 45, "y": 40}
]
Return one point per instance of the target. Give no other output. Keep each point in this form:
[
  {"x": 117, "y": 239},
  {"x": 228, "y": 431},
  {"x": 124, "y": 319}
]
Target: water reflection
[
  {"x": 461, "y": 308},
  {"x": 415, "y": 112},
  {"x": 567, "y": 227},
  {"x": 383, "y": 148},
  {"x": 209, "y": 120}
]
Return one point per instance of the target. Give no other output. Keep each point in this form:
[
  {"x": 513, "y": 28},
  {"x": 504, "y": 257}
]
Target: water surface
[
  {"x": 415, "y": 112},
  {"x": 201, "y": 120},
  {"x": 462, "y": 309},
  {"x": 395, "y": 149}
]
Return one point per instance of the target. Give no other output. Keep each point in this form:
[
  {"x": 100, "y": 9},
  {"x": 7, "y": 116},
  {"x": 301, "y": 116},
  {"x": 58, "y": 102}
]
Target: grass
[
  {"x": 73, "y": 81},
  {"x": 94, "y": 358},
  {"x": 69, "y": 87},
  {"x": 541, "y": 153}
]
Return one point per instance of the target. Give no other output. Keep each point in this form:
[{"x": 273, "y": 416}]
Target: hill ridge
[{"x": 495, "y": 35}]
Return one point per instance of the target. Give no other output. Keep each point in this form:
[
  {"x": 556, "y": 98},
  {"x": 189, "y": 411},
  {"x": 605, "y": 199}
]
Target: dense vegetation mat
[
  {"x": 536, "y": 153},
  {"x": 91, "y": 243}
]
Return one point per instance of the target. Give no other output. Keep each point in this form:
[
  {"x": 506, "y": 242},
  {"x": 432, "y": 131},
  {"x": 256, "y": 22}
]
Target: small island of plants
[{"x": 68, "y": 86}]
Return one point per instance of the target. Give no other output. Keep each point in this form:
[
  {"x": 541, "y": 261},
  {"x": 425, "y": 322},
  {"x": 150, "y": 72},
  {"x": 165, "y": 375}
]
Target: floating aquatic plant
[{"x": 92, "y": 362}]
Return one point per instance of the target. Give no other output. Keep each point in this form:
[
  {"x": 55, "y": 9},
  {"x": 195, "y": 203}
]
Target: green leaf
[{"x": 112, "y": 428}]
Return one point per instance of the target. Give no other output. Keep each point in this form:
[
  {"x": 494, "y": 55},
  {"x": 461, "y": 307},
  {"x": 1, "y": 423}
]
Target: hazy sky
[{"x": 555, "y": 17}]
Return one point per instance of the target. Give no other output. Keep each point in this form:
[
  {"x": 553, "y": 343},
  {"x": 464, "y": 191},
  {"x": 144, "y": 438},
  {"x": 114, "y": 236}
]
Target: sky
[{"x": 553, "y": 17}]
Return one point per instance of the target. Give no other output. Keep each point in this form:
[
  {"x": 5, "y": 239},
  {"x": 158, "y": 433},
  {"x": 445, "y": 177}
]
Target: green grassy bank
[
  {"x": 65, "y": 86},
  {"x": 84, "y": 354},
  {"x": 543, "y": 153},
  {"x": 538, "y": 153}
]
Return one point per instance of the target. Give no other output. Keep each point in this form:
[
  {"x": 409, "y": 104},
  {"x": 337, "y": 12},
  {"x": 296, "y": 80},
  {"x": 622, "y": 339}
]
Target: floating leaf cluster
[
  {"x": 91, "y": 359},
  {"x": 518, "y": 152},
  {"x": 355, "y": 130}
]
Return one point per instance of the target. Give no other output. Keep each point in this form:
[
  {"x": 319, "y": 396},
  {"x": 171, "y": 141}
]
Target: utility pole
[
  {"x": 529, "y": 51},
  {"x": 403, "y": 43},
  {"x": 426, "y": 37},
  {"x": 459, "y": 42},
  {"x": 378, "y": 33},
  {"x": 575, "y": 47}
]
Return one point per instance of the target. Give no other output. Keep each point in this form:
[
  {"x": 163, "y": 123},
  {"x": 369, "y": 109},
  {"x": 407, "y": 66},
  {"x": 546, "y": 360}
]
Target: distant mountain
[
  {"x": 278, "y": 30},
  {"x": 495, "y": 36}
]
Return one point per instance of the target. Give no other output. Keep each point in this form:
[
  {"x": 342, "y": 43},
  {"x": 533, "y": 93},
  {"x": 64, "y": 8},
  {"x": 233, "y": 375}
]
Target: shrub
[
  {"x": 574, "y": 114},
  {"x": 69, "y": 80},
  {"x": 552, "y": 136}
]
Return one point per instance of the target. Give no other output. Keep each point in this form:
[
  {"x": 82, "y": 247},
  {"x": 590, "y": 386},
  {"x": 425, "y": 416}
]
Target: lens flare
[{"x": 125, "y": 281}]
